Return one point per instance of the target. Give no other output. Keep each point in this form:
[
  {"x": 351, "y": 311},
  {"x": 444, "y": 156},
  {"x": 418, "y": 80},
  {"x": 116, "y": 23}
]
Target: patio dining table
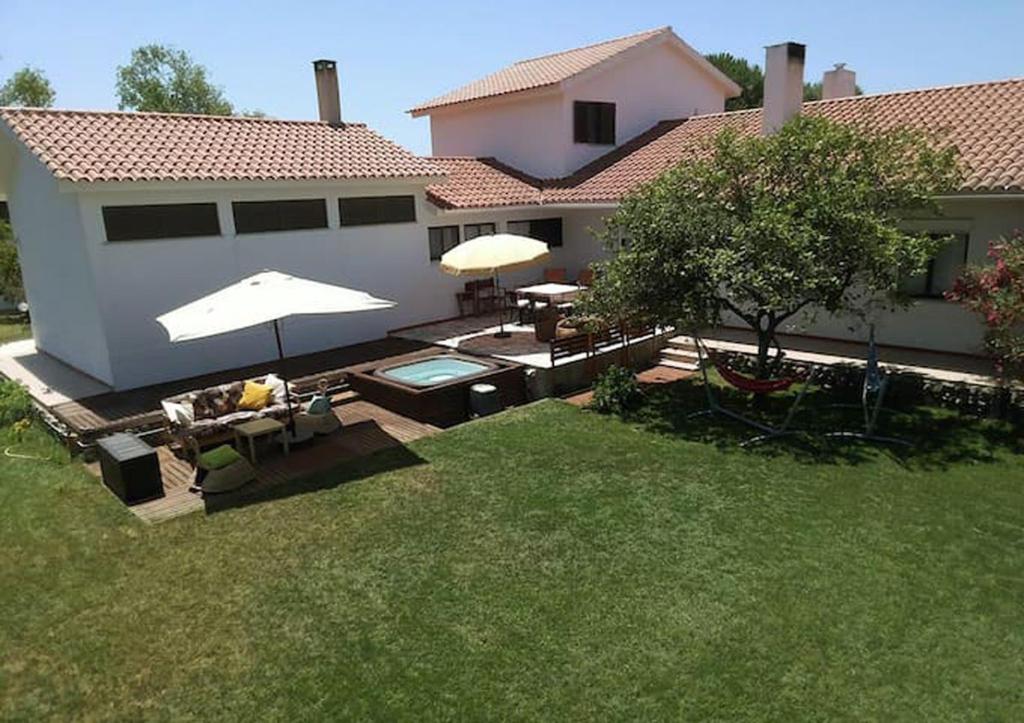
[{"x": 552, "y": 293}]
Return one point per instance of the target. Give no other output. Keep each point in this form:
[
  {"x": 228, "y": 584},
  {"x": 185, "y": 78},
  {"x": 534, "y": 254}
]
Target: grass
[
  {"x": 13, "y": 327},
  {"x": 548, "y": 563}
]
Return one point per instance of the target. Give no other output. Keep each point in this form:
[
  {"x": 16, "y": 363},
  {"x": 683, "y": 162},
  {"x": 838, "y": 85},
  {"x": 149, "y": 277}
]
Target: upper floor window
[
  {"x": 548, "y": 230},
  {"x": 593, "y": 122},
  {"x": 942, "y": 270},
  {"x": 442, "y": 239},
  {"x": 156, "y": 221},
  {"x": 472, "y": 230},
  {"x": 257, "y": 216},
  {"x": 369, "y": 210}
]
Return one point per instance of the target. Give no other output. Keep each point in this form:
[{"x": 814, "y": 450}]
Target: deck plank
[{"x": 367, "y": 428}]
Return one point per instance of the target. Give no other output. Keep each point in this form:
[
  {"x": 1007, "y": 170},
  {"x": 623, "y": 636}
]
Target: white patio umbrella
[
  {"x": 266, "y": 297},
  {"x": 489, "y": 255}
]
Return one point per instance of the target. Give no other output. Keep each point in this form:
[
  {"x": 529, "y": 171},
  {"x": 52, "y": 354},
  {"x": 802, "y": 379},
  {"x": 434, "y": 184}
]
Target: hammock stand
[
  {"x": 753, "y": 386},
  {"x": 875, "y": 383}
]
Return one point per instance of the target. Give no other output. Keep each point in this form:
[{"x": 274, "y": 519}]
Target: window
[
  {"x": 257, "y": 216},
  {"x": 171, "y": 220},
  {"x": 942, "y": 270},
  {"x": 472, "y": 230},
  {"x": 593, "y": 122},
  {"x": 5, "y": 215},
  {"x": 369, "y": 210},
  {"x": 548, "y": 230},
  {"x": 442, "y": 240}
]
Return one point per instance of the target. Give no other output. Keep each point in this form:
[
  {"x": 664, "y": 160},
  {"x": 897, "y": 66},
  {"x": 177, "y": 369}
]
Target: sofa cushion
[
  {"x": 255, "y": 396},
  {"x": 219, "y": 457}
]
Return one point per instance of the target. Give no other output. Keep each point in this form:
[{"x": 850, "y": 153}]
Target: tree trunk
[{"x": 764, "y": 342}]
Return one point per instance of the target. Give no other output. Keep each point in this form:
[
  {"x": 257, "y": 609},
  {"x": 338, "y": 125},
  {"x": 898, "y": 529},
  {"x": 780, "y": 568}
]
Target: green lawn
[
  {"x": 13, "y": 328},
  {"x": 547, "y": 563}
]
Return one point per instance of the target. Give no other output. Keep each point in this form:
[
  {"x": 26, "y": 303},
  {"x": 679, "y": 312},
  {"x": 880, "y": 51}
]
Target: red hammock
[{"x": 746, "y": 384}]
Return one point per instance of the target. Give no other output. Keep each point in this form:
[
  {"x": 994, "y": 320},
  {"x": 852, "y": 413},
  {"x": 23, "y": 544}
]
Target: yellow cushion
[{"x": 255, "y": 396}]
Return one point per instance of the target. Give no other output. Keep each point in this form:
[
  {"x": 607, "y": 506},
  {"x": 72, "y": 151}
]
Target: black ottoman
[{"x": 130, "y": 468}]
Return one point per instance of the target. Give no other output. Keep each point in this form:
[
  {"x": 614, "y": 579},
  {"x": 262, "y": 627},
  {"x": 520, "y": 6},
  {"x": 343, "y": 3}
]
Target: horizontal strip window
[
  {"x": 371, "y": 210},
  {"x": 472, "y": 230},
  {"x": 548, "y": 230},
  {"x": 156, "y": 221},
  {"x": 260, "y": 216},
  {"x": 442, "y": 240}
]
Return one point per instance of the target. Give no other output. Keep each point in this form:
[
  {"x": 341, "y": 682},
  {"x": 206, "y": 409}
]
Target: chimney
[
  {"x": 783, "y": 84},
  {"x": 327, "y": 95},
  {"x": 838, "y": 83}
]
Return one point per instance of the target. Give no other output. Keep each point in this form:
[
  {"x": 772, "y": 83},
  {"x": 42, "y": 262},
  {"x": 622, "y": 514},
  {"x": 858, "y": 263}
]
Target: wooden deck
[
  {"x": 139, "y": 409},
  {"x": 655, "y": 375},
  {"x": 367, "y": 428}
]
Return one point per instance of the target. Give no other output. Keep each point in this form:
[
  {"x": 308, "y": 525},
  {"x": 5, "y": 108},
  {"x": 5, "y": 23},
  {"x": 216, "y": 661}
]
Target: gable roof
[
  {"x": 985, "y": 121},
  {"x": 89, "y": 146},
  {"x": 550, "y": 70}
]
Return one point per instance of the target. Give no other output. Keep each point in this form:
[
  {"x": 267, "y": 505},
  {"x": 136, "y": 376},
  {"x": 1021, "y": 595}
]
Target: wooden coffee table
[{"x": 251, "y": 431}]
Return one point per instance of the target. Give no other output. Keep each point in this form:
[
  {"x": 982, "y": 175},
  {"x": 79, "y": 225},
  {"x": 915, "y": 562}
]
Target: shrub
[
  {"x": 15, "y": 403},
  {"x": 616, "y": 391}
]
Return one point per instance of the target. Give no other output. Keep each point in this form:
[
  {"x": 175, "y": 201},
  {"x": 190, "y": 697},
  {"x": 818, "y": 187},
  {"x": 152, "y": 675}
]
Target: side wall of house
[
  {"x": 657, "y": 83},
  {"x": 140, "y": 280},
  {"x": 534, "y": 133},
  {"x": 59, "y": 280},
  {"x": 933, "y": 323},
  {"x": 526, "y": 133}
]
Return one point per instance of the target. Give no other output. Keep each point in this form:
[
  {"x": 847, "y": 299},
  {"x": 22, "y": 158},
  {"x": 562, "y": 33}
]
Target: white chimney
[
  {"x": 783, "y": 84},
  {"x": 328, "y": 96},
  {"x": 838, "y": 83}
]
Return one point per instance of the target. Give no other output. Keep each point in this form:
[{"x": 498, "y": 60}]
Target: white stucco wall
[
  {"x": 534, "y": 132},
  {"x": 58, "y": 273},
  {"x": 526, "y": 133},
  {"x": 933, "y": 323}
]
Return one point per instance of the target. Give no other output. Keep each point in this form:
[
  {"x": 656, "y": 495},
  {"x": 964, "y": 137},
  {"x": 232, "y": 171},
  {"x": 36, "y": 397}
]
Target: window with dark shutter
[
  {"x": 548, "y": 230},
  {"x": 442, "y": 239},
  {"x": 942, "y": 270},
  {"x": 594, "y": 122},
  {"x": 157, "y": 221},
  {"x": 371, "y": 210},
  {"x": 472, "y": 230},
  {"x": 262, "y": 216}
]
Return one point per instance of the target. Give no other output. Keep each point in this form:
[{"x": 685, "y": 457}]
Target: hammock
[{"x": 746, "y": 384}]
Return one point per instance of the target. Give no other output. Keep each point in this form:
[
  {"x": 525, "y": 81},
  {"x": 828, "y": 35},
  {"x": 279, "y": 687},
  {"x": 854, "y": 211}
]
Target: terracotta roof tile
[
  {"x": 985, "y": 121},
  {"x": 481, "y": 182},
  {"x": 113, "y": 146},
  {"x": 539, "y": 72}
]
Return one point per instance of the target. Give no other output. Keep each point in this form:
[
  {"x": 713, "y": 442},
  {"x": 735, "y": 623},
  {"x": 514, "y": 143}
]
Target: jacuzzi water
[{"x": 433, "y": 371}]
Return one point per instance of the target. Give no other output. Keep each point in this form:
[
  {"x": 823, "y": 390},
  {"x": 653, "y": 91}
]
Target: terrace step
[
  {"x": 686, "y": 366},
  {"x": 678, "y": 354}
]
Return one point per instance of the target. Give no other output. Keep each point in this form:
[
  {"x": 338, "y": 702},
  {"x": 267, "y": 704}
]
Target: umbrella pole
[
  {"x": 502, "y": 334},
  {"x": 284, "y": 376}
]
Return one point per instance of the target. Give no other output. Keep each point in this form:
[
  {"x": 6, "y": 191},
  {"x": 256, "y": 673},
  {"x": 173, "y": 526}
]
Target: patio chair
[
  {"x": 221, "y": 469},
  {"x": 545, "y": 324},
  {"x": 557, "y": 275},
  {"x": 585, "y": 277}
]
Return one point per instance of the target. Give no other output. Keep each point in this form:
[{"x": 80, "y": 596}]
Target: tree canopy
[
  {"x": 766, "y": 227},
  {"x": 163, "y": 79},
  {"x": 28, "y": 87}
]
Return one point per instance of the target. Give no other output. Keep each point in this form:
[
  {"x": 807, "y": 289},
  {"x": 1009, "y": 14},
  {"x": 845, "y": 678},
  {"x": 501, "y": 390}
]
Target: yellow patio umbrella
[{"x": 489, "y": 255}]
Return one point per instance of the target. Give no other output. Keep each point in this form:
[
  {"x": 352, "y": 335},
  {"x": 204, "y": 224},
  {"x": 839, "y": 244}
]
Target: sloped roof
[
  {"x": 85, "y": 146},
  {"x": 548, "y": 70},
  {"x": 985, "y": 121},
  {"x": 479, "y": 182}
]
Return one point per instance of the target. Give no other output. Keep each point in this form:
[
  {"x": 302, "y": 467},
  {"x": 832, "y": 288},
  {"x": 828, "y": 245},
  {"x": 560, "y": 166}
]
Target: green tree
[
  {"x": 163, "y": 79},
  {"x": 11, "y": 286},
  {"x": 748, "y": 76},
  {"x": 767, "y": 227},
  {"x": 27, "y": 87}
]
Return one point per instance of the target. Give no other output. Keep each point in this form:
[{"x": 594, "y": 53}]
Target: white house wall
[
  {"x": 59, "y": 282},
  {"x": 136, "y": 281},
  {"x": 656, "y": 83}
]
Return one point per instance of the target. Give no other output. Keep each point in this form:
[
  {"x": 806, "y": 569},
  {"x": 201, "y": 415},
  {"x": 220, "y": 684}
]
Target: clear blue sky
[{"x": 393, "y": 54}]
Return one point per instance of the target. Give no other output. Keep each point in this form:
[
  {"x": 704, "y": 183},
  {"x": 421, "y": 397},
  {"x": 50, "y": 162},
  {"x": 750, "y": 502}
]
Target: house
[{"x": 123, "y": 216}]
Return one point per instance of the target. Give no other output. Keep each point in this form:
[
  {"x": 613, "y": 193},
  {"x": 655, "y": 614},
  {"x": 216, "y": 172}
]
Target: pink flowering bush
[{"x": 996, "y": 292}]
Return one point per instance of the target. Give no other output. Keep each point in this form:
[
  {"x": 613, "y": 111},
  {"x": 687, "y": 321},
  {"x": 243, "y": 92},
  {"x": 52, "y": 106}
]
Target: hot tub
[
  {"x": 433, "y": 371},
  {"x": 432, "y": 386}
]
